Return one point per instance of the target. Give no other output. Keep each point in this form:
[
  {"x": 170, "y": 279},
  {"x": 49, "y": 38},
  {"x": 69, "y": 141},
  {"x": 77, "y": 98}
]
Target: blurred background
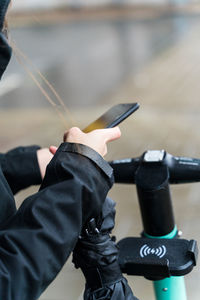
[{"x": 97, "y": 53}]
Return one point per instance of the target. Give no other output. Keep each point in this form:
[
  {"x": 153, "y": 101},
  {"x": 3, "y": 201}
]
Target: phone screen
[{"x": 113, "y": 116}]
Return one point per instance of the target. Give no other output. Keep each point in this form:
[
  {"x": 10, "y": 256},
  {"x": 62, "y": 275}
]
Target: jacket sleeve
[
  {"x": 38, "y": 239},
  {"x": 20, "y": 167}
]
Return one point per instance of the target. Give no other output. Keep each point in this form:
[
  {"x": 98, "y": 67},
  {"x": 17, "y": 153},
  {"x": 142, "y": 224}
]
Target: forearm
[
  {"x": 20, "y": 167},
  {"x": 44, "y": 231}
]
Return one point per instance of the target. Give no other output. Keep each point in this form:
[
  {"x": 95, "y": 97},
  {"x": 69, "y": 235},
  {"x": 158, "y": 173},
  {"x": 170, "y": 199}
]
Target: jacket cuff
[
  {"x": 31, "y": 162},
  {"x": 88, "y": 152}
]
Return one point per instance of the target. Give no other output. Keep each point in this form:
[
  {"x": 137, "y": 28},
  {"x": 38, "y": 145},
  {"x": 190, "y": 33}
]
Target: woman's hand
[
  {"x": 44, "y": 156},
  {"x": 96, "y": 139}
]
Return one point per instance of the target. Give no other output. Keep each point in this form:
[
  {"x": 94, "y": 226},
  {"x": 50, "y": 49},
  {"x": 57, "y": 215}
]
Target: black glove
[{"x": 96, "y": 253}]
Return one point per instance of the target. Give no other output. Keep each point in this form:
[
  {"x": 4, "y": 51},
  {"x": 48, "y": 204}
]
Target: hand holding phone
[
  {"x": 114, "y": 116},
  {"x": 97, "y": 140}
]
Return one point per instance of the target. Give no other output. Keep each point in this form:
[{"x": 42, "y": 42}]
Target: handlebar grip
[
  {"x": 125, "y": 169},
  {"x": 183, "y": 169}
]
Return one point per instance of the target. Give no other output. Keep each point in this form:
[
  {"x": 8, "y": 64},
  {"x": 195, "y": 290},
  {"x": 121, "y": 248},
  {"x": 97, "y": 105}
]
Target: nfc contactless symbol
[{"x": 146, "y": 250}]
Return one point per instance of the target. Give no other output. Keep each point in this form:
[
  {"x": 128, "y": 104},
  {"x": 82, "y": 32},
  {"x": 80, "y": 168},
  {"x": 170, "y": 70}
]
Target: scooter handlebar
[{"x": 181, "y": 169}]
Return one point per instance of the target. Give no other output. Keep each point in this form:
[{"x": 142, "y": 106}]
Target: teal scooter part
[
  {"x": 172, "y": 288},
  {"x": 170, "y": 235}
]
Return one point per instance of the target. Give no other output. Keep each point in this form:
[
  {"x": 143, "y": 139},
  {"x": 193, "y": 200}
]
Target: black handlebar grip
[{"x": 183, "y": 169}]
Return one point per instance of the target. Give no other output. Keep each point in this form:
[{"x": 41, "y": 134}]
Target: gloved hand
[{"x": 97, "y": 255}]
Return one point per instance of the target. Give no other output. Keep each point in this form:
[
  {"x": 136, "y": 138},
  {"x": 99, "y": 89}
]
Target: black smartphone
[{"x": 113, "y": 116}]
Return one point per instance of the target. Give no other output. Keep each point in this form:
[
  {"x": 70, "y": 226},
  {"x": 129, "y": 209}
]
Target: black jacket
[{"x": 37, "y": 239}]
